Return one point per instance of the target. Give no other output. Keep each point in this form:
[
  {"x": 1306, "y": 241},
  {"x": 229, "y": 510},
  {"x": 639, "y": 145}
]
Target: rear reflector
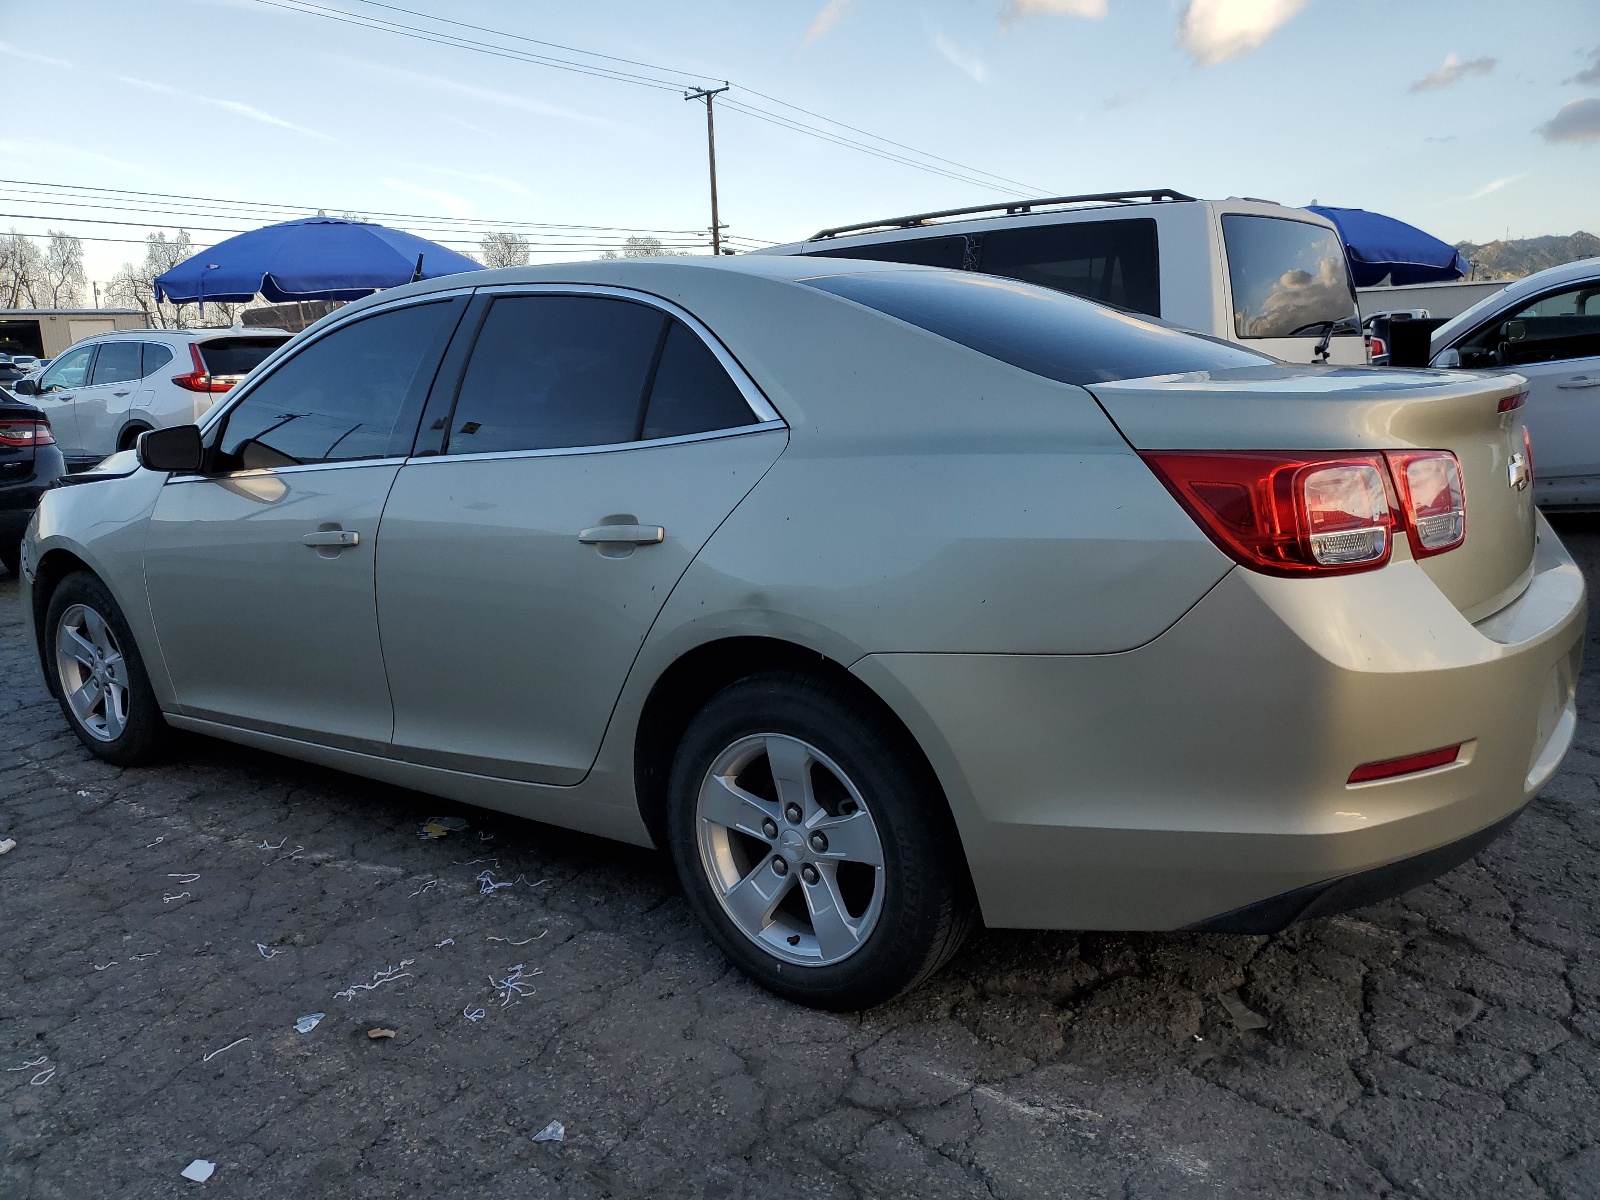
[
  {"x": 1409, "y": 765},
  {"x": 26, "y": 431},
  {"x": 1507, "y": 403}
]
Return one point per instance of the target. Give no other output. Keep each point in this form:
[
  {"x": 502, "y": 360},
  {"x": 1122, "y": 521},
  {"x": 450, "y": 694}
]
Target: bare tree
[
  {"x": 134, "y": 287},
  {"x": 502, "y": 249},
  {"x": 62, "y": 275},
  {"x": 21, "y": 271},
  {"x": 645, "y": 247}
]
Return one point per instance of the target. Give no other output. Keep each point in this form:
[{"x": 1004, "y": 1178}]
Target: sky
[{"x": 1455, "y": 115}]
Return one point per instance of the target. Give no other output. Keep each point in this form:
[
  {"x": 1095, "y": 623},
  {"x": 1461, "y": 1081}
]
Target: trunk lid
[{"x": 1342, "y": 408}]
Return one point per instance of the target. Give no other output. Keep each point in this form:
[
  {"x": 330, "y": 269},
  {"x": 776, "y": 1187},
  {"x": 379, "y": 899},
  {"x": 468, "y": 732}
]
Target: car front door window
[{"x": 69, "y": 371}]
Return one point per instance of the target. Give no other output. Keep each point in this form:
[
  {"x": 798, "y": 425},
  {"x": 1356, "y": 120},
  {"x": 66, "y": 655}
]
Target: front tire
[
  {"x": 814, "y": 843},
  {"x": 97, "y": 675}
]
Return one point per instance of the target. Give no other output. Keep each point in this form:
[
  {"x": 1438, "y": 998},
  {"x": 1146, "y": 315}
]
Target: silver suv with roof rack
[{"x": 1267, "y": 276}]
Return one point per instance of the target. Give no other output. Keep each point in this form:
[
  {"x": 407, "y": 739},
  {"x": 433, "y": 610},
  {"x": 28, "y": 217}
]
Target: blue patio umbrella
[
  {"x": 1379, "y": 246},
  {"x": 317, "y": 258}
]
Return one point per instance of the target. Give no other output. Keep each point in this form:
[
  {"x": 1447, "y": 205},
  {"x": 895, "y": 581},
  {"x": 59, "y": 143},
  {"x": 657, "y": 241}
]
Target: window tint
[
  {"x": 117, "y": 362},
  {"x": 342, "y": 397},
  {"x": 1554, "y": 327},
  {"x": 692, "y": 393},
  {"x": 1059, "y": 337},
  {"x": 156, "y": 356},
  {"x": 1112, "y": 261},
  {"x": 548, "y": 372},
  {"x": 922, "y": 252},
  {"x": 69, "y": 371},
  {"x": 237, "y": 356},
  {"x": 1288, "y": 277}
]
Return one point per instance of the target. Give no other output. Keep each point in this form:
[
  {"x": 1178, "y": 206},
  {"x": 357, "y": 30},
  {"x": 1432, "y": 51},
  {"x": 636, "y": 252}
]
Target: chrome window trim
[
  {"x": 296, "y": 469},
  {"x": 760, "y": 407},
  {"x": 278, "y": 357},
  {"x": 608, "y": 448}
]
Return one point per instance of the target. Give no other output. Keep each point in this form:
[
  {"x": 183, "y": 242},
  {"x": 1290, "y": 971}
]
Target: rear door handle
[
  {"x": 1580, "y": 381},
  {"x": 121, "y": 393},
  {"x": 332, "y": 537},
  {"x": 631, "y": 535}
]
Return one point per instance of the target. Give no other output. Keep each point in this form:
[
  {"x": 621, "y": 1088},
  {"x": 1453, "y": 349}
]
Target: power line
[{"x": 673, "y": 81}]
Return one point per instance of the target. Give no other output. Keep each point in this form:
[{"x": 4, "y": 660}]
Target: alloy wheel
[{"x": 92, "y": 672}]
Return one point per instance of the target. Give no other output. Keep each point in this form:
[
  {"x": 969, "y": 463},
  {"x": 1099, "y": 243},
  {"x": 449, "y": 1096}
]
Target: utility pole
[{"x": 709, "y": 94}]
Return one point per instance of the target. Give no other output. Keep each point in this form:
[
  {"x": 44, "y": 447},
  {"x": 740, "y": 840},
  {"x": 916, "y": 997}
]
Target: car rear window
[
  {"x": 1116, "y": 262},
  {"x": 1058, "y": 336},
  {"x": 237, "y": 356},
  {"x": 1289, "y": 277}
]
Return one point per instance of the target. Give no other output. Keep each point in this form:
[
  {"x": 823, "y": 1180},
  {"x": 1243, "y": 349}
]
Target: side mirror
[
  {"x": 1447, "y": 358},
  {"x": 26, "y": 387},
  {"x": 175, "y": 449}
]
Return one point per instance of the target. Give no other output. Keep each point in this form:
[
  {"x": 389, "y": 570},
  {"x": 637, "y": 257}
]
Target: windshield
[
  {"x": 1289, "y": 277},
  {"x": 1058, "y": 336}
]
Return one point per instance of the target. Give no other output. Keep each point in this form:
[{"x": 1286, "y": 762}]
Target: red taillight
[
  {"x": 1507, "y": 403},
  {"x": 26, "y": 431},
  {"x": 1286, "y": 514},
  {"x": 1379, "y": 348},
  {"x": 199, "y": 380},
  {"x": 1429, "y": 483},
  {"x": 1409, "y": 765}
]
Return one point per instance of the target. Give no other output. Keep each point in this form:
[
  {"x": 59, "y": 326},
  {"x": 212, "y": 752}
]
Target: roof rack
[{"x": 1010, "y": 209}]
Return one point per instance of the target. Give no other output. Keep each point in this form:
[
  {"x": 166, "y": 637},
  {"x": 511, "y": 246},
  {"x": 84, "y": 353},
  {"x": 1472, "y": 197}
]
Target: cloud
[
  {"x": 1590, "y": 75},
  {"x": 1213, "y": 31},
  {"x": 1578, "y": 121},
  {"x": 497, "y": 181},
  {"x": 1015, "y": 10},
  {"x": 969, "y": 64},
  {"x": 824, "y": 21},
  {"x": 249, "y": 112},
  {"x": 452, "y": 204},
  {"x": 1453, "y": 70},
  {"x": 34, "y": 152},
  {"x": 1494, "y": 185},
  {"x": 11, "y": 51},
  {"x": 487, "y": 95}
]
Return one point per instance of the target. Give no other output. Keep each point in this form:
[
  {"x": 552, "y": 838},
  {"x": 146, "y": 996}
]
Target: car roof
[
  {"x": 190, "y": 335},
  {"x": 1530, "y": 285}
]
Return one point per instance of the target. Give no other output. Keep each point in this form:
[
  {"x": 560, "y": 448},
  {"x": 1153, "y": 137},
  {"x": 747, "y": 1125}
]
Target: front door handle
[
  {"x": 630, "y": 535},
  {"x": 121, "y": 393},
  {"x": 332, "y": 537},
  {"x": 1581, "y": 381}
]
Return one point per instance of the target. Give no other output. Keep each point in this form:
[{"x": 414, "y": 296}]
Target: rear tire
[
  {"x": 814, "y": 843},
  {"x": 97, "y": 675}
]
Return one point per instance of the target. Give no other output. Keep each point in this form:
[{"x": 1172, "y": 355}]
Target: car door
[
  {"x": 260, "y": 570},
  {"x": 158, "y": 401},
  {"x": 593, "y": 444},
  {"x": 102, "y": 406},
  {"x": 1553, "y": 341},
  {"x": 57, "y": 392}
]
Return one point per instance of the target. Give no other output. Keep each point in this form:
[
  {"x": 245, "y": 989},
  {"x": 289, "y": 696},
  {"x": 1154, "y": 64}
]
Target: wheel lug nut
[
  {"x": 819, "y": 842},
  {"x": 809, "y": 873},
  {"x": 780, "y": 867},
  {"x": 770, "y": 828},
  {"x": 793, "y": 813}
]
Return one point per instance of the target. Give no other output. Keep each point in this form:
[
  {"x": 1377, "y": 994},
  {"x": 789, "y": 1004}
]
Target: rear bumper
[{"x": 1205, "y": 772}]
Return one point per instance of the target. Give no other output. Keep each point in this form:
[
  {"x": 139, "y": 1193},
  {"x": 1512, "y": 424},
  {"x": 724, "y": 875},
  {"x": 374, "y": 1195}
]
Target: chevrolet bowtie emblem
[{"x": 1518, "y": 471}]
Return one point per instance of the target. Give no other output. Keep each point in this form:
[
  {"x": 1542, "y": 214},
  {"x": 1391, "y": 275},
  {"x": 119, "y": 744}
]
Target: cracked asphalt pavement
[{"x": 162, "y": 929}]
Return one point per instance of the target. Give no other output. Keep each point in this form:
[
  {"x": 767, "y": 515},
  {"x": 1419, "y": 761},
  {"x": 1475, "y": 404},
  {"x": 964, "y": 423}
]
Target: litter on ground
[
  {"x": 199, "y": 1170},
  {"x": 515, "y": 985},
  {"x": 472, "y": 1014},
  {"x": 169, "y": 897},
  {"x": 236, "y": 1041},
  {"x": 268, "y": 951},
  {"x": 185, "y": 876},
  {"x": 7, "y": 846},
  {"x": 308, "y": 1022},
  {"x": 1243, "y": 1016},
  {"x": 379, "y": 978},
  {"x": 553, "y": 1132},
  {"x": 487, "y": 885},
  {"x": 375, "y": 1034}
]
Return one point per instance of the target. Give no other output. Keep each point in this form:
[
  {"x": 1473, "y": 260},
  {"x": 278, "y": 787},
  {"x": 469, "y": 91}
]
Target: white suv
[
  {"x": 105, "y": 391},
  {"x": 1249, "y": 271}
]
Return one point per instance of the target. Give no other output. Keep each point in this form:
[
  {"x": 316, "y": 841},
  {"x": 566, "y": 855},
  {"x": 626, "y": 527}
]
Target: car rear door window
[
  {"x": 155, "y": 357},
  {"x": 1115, "y": 262},
  {"x": 354, "y": 393},
  {"x": 1040, "y": 330},
  {"x": 1289, "y": 278},
  {"x": 237, "y": 356},
  {"x": 554, "y": 372},
  {"x": 117, "y": 362},
  {"x": 947, "y": 252},
  {"x": 691, "y": 392}
]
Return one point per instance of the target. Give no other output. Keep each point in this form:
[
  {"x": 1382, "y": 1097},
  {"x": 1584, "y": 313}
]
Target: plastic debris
[
  {"x": 32, "y": 1062},
  {"x": 453, "y": 824},
  {"x": 523, "y": 942},
  {"x": 487, "y": 885},
  {"x": 432, "y": 883},
  {"x": 265, "y": 845},
  {"x": 81, "y": 792},
  {"x": 168, "y": 897},
  {"x": 44, "y": 1076},
  {"x": 112, "y": 963},
  {"x": 268, "y": 952},
  {"x": 473, "y": 1014},
  {"x": 530, "y": 883},
  {"x": 7, "y": 846},
  {"x": 431, "y": 831},
  {"x": 152, "y": 845},
  {"x": 199, "y": 1170},
  {"x": 553, "y": 1132},
  {"x": 236, "y": 1041},
  {"x": 446, "y": 942},
  {"x": 1242, "y": 1015},
  {"x": 515, "y": 985},
  {"x": 142, "y": 957},
  {"x": 379, "y": 978},
  {"x": 375, "y": 1034},
  {"x": 485, "y": 837},
  {"x": 308, "y": 1022},
  {"x": 185, "y": 876}
]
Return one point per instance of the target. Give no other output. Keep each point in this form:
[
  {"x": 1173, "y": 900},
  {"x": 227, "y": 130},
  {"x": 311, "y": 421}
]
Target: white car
[
  {"x": 1266, "y": 276},
  {"x": 1547, "y": 329},
  {"x": 105, "y": 391}
]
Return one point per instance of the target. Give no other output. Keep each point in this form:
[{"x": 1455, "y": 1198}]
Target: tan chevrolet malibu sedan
[{"x": 886, "y": 598}]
